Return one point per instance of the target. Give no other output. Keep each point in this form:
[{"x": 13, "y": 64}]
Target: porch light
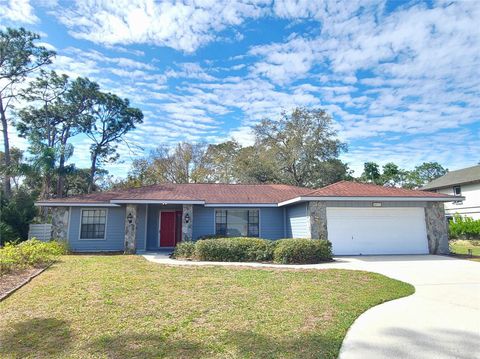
[
  {"x": 130, "y": 218},
  {"x": 187, "y": 218}
]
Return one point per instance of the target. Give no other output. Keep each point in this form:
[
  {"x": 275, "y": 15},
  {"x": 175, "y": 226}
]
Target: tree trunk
[
  {"x": 93, "y": 169},
  {"x": 61, "y": 176},
  {"x": 61, "y": 166},
  {"x": 7, "y": 189}
]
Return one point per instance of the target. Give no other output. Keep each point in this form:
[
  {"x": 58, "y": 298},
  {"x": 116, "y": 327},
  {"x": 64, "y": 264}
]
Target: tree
[
  {"x": 393, "y": 176},
  {"x": 426, "y": 172},
  {"x": 371, "y": 173},
  {"x": 78, "y": 102},
  {"x": 256, "y": 165},
  {"x": 301, "y": 143},
  {"x": 19, "y": 57},
  {"x": 16, "y": 213},
  {"x": 112, "y": 118},
  {"x": 17, "y": 166},
  {"x": 59, "y": 109},
  {"x": 220, "y": 161},
  {"x": 185, "y": 163},
  {"x": 41, "y": 124}
]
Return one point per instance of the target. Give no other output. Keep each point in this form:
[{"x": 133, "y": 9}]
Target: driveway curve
[{"x": 441, "y": 320}]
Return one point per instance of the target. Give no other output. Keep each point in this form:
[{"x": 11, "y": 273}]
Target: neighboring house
[
  {"x": 357, "y": 218},
  {"x": 465, "y": 183}
]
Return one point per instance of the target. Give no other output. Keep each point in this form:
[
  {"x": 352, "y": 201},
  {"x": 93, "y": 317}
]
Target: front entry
[{"x": 167, "y": 229}]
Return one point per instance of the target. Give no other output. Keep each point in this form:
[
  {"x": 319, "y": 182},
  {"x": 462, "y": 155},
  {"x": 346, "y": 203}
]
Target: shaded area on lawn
[
  {"x": 37, "y": 337},
  {"x": 126, "y": 307}
]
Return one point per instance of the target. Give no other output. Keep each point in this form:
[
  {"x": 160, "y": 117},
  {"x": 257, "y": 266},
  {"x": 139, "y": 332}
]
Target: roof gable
[
  {"x": 356, "y": 189},
  {"x": 452, "y": 178}
]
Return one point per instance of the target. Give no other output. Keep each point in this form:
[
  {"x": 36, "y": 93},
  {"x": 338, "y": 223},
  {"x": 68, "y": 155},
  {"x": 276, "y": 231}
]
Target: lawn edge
[
  {"x": 375, "y": 306},
  {"x": 26, "y": 281}
]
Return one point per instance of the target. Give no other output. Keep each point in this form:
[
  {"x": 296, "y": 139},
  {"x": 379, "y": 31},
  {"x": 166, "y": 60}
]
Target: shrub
[
  {"x": 30, "y": 253},
  {"x": 184, "y": 250},
  {"x": 302, "y": 251},
  {"x": 235, "y": 249},
  {"x": 464, "y": 228}
]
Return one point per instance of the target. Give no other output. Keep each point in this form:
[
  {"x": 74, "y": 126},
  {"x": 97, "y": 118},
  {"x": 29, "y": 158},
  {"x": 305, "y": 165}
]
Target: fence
[{"x": 41, "y": 231}]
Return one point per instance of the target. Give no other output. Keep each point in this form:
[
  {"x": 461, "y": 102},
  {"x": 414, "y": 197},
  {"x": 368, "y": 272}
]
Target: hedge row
[
  {"x": 245, "y": 249},
  {"x": 464, "y": 228},
  {"x": 31, "y": 253}
]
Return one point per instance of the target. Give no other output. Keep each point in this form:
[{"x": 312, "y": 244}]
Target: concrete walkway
[{"x": 441, "y": 320}]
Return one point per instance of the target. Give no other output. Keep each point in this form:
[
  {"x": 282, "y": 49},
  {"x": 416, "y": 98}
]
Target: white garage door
[{"x": 354, "y": 231}]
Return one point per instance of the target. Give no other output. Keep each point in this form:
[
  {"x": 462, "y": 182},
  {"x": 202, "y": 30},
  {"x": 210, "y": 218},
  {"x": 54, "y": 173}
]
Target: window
[
  {"x": 93, "y": 223},
  {"x": 457, "y": 191},
  {"x": 237, "y": 222}
]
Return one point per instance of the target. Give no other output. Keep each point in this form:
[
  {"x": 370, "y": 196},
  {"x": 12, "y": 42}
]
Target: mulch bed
[{"x": 12, "y": 281}]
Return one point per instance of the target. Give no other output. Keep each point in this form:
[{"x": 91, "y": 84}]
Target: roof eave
[
  {"x": 155, "y": 201},
  {"x": 448, "y": 185},
  {"x": 371, "y": 198},
  {"x": 75, "y": 204}
]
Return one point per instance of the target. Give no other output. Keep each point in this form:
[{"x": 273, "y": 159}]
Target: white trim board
[
  {"x": 70, "y": 204},
  {"x": 154, "y": 201},
  {"x": 241, "y": 205}
]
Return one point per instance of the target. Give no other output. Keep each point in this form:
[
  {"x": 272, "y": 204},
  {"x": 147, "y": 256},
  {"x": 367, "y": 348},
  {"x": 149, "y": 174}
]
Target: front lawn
[
  {"x": 461, "y": 247},
  {"x": 126, "y": 307}
]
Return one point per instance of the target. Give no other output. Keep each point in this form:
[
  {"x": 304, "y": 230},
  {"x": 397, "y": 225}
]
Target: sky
[{"x": 399, "y": 78}]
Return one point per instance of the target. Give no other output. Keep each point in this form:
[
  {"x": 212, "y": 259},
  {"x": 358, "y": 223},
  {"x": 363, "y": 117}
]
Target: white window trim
[
  {"x": 460, "y": 189},
  {"x": 244, "y": 208},
  {"x": 80, "y": 226}
]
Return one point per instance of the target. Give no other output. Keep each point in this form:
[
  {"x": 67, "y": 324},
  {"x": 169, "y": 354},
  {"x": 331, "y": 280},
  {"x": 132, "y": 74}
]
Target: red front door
[{"x": 167, "y": 229}]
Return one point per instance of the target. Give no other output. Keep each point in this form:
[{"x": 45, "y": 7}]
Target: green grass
[
  {"x": 126, "y": 307},
  {"x": 461, "y": 247}
]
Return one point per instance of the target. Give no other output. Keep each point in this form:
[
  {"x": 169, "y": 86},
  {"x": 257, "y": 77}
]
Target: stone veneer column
[
  {"x": 437, "y": 231},
  {"x": 60, "y": 216},
  {"x": 317, "y": 210},
  {"x": 130, "y": 229},
  {"x": 187, "y": 228}
]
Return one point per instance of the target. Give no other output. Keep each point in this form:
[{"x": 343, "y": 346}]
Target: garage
[{"x": 364, "y": 231}]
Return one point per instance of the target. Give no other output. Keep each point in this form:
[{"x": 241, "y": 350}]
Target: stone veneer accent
[
  {"x": 60, "y": 216},
  {"x": 317, "y": 210},
  {"x": 437, "y": 231},
  {"x": 131, "y": 229},
  {"x": 187, "y": 228}
]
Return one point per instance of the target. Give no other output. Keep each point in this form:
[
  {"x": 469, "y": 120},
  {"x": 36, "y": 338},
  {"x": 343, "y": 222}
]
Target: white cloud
[
  {"x": 410, "y": 73},
  {"x": 182, "y": 26},
  {"x": 17, "y": 11},
  {"x": 243, "y": 135}
]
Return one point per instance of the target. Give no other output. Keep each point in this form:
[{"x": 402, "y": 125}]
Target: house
[
  {"x": 465, "y": 183},
  {"x": 357, "y": 218}
]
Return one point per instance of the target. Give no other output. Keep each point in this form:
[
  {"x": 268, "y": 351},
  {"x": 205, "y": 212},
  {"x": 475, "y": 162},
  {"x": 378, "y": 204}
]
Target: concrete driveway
[{"x": 441, "y": 320}]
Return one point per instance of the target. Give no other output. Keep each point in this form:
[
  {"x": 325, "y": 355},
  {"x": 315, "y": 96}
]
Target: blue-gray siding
[
  {"x": 203, "y": 221},
  {"x": 115, "y": 232},
  {"x": 271, "y": 222},
  {"x": 297, "y": 221}
]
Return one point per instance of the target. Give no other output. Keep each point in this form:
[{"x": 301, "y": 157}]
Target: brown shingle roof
[
  {"x": 355, "y": 189},
  {"x": 213, "y": 193},
  {"x": 208, "y": 192}
]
